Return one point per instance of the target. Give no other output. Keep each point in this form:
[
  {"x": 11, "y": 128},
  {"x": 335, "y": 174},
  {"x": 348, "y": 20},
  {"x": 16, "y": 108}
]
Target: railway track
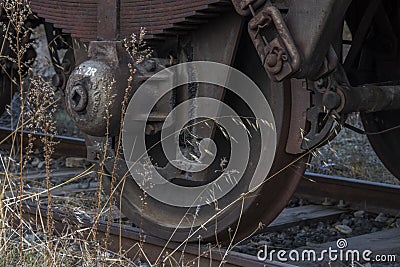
[
  {"x": 71, "y": 146},
  {"x": 132, "y": 242},
  {"x": 352, "y": 194},
  {"x": 196, "y": 39}
]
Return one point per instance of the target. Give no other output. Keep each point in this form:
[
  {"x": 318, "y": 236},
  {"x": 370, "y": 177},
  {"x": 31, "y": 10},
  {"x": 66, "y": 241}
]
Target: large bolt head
[
  {"x": 272, "y": 60},
  {"x": 331, "y": 100},
  {"x": 94, "y": 93},
  {"x": 78, "y": 98}
]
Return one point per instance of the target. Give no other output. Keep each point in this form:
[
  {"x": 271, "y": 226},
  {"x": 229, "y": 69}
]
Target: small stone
[
  {"x": 294, "y": 202},
  {"x": 241, "y": 248},
  {"x": 264, "y": 243},
  {"x": 381, "y": 218},
  {"x": 359, "y": 214},
  {"x": 287, "y": 244},
  {"x": 299, "y": 243},
  {"x": 303, "y": 202},
  {"x": 345, "y": 222},
  {"x": 361, "y": 221},
  {"x": 343, "y": 229},
  {"x": 73, "y": 162},
  {"x": 41, "y": 164}
]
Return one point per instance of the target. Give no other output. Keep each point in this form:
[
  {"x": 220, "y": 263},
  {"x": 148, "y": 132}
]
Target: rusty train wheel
[{"x": 261, "y": 207}]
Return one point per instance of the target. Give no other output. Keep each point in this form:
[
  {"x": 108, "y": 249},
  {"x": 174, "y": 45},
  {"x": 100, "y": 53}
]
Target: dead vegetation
[{"x": 21, "y": 243}]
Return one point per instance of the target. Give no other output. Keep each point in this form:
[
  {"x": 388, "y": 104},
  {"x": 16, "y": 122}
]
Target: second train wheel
[
  {"x": 377, "y": 62},
  {"x": 259, "y": 208}
]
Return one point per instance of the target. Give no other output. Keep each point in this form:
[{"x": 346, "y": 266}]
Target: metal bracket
[
  {"x": 108, "y": 20},
  {"x": 279, "y": 56},
  {"x": 320, "y": 118},
  {"x": 301, "y": 101}
]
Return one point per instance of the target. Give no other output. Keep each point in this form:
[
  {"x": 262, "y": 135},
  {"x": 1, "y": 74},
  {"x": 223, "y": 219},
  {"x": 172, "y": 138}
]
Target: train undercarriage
[{"x": 314, "y": 62}]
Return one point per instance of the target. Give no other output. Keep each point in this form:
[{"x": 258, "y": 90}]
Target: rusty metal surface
[
  {"x": 98, "y": 19},
  {"x": 357, "y": 194},
  {"x": 165, "y": 220},
  {"x": 314, "y": 27},
  {"x": 219, "y": 44},
  {"x": 279, "y": 56},
  {"x": 301, "y": 101},
  {"x": 271, "y": 38},
  {"x": 371, "y": 98},
  {"x": 153, "y": 247},
  {"x": 243, "y": 7},
  {"x": 91, "y": 85},
  {"x": 71, "y": 146},
  {"x": 76, "y": 17},
  {"x": 108, "y": 12}
]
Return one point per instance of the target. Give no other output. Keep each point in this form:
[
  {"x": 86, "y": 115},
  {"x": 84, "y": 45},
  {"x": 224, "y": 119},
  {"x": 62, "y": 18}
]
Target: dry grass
[
  {"x": 34, "y": 244},
  {"x": 21, "y": 242}
]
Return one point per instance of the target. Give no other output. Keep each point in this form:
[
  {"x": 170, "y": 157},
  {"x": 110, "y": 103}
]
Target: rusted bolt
[
  {"x": 331, "y": 100},
  {"x": 78, "y": 98},
  {"x": 274, "y": 63},
  {"x": 272, "y": 60},
  {"x": 327, "y": 202}
]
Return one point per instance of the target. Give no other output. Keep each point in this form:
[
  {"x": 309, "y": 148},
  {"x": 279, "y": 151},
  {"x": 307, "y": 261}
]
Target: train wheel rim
[{"x": 246, "y": 215}]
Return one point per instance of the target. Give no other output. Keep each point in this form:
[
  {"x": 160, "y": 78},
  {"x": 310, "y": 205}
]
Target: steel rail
[
  {"x": 354, "y": 193},
  {"x": 71, "y": 146},
  {"x": 132, "y": 239}
]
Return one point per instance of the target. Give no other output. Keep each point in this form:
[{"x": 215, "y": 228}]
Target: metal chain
[{"x": 279, "y": 57}]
